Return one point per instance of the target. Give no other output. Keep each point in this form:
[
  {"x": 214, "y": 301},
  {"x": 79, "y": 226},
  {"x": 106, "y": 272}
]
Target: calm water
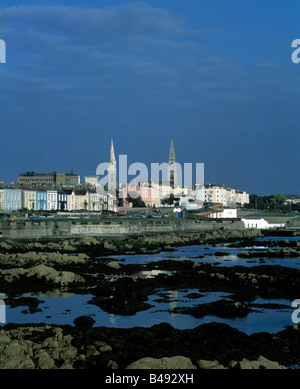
[
  {"x": 193, "y": 252},
  {"x": 61, "y": 308}
]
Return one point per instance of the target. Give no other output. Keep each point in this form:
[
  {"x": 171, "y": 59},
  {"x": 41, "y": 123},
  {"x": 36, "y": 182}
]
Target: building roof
[
  {"x": 80, "y": 192},
  {"x": 30, "y": 174},
  {"x": 33, "y": 174}
]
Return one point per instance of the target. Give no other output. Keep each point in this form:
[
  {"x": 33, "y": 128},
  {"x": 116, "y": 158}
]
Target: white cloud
[
  {"x": 54, "y": 31},
  {"x": 106, "y": 23}
]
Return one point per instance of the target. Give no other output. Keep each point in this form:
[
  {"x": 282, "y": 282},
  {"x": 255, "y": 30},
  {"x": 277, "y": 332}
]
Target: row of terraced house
[{"x": 14, "y": 199}]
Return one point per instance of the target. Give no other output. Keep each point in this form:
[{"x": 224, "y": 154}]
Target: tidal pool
[
  {"x": 205, "y": 253},
  {"x": 63, "y": 309}
]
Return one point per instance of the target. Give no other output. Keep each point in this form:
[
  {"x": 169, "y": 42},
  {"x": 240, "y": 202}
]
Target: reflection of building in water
[
  {"x": 112, "y": 320},
  {"x": 173, "y": 294},
  {"x": 150, "y": 273},
  {"x": 2, "y": 312},
  {"x": 173, "y": 301}
]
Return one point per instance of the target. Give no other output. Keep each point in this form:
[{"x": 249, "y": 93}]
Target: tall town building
[
  {"x": 91, "y": 180},
  {"x": 112, "y": 171},
  {"x": 172, "y": 170},
  {"x": 49, "y": 179}
]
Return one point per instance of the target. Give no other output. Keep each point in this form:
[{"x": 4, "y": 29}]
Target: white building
[
  {"x": 183, "y": 191},
  {"x": 52, "y": 200},
  {"x": 92, "y": 180},
  {"x": 224, "y": 195},
  {"x": 190, "y": 202},
  {"x": 2, "y": 203},
  {"x": 256, "y": 222},
  {"x": 228, "y": 213},
  {"x": 199, "y": 194},
  {"x": 110, "y": 203},
  {"x": 164, "y": 190},
  {"x": 29, "y": 199},
  {"x": 95, "y": 202},
  {"x": 216, "y": 194},
  {"x": 11, "y": 199}
]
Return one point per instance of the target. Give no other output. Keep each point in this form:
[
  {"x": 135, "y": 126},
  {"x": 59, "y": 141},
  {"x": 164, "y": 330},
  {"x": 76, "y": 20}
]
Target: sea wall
[{"x": 41, "y": 229}]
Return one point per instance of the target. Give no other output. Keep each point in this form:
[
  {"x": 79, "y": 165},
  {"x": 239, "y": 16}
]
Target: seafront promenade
[
  {"x": 107, "y": 227},
  {"x": 81, "y": 227}
]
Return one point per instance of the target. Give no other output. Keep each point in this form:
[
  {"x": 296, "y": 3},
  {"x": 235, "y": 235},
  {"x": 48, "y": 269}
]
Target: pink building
[{"x": 149, "y": 195}]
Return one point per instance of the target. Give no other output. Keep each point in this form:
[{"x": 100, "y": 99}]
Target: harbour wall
[{"x": 44, "y": 229}]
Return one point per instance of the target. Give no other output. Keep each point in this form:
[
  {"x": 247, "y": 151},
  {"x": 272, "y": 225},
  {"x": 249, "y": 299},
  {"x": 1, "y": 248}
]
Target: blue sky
[{"x": 216, "y": 75}]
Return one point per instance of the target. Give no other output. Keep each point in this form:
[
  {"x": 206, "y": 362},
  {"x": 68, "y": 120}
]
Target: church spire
[
  {"x": 112, "y": 158},
  {"x": 112, "y": 171},
  {"x": 172, "y": 153},
  {"x": 172, "y": 168}
]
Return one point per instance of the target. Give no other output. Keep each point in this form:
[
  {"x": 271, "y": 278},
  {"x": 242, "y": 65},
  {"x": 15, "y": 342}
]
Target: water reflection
[
  {"x": 151, "y": 273},
  {"x": 62, "y": 308},
  {"x": 205, "y": 253},
  {"x": 53, "y": 293}
]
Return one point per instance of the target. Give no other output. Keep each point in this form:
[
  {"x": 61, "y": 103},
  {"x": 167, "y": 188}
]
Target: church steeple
[
  {"x": 172, "y": 169},
  {"x": 112, "y": 171},
  {"x": 172, "y": 158},
  {"x": 112, "y": 158}
]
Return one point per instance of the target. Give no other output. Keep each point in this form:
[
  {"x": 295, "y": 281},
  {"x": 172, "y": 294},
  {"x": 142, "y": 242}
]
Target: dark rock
[
  {"x": 222, "y": 308},
  {"x": 84, "y": 322},
  {"x": 126, "y": 297},
  {"x": 31, "y": 302},
  {"x": 194, "y": 295}
]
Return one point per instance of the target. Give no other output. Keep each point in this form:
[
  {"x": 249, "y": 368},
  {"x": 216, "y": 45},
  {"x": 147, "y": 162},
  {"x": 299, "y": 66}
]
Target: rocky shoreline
[
  {"x": 85, "y": 265},
  {"x": 125, "y": 243},
  {"x": 209, "y": 346}
]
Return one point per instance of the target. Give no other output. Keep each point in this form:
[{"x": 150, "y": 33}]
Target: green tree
[
  {"x": 136, "y": 202},
  {"x": 277, "y": 201},
  {"x": 268, "y": 203},
  {"x": 168, "y": 200}
]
